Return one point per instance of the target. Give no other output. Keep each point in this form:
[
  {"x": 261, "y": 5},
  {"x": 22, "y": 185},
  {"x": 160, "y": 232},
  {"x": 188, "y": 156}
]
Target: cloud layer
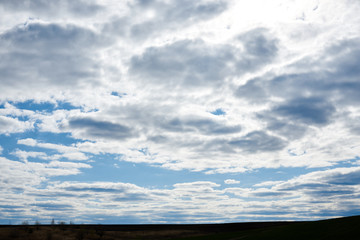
[{"x": 96, "y": 95}]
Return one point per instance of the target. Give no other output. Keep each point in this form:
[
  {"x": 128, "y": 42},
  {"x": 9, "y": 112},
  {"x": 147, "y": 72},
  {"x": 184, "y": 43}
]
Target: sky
[{"x": 179, "y": 111}]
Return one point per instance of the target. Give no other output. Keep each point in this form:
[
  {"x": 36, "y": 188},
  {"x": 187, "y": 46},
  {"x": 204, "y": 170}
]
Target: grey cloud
[
  {"x": 306, "y": 110},
  {"x": 158, "y": 139},
  {"x": 52, "y": 8},
  {"x": 210, "y": 127},
  {"x": 259, "y": 49},
  {"x": 197, "y": 64},
  {"x": 270, "y": 194},
  {"x": 204, "y": 126},
  {"x": 40, "y": 57},
  {"x": 290, "y": 131},
  {"x": 354, "y": 125},
  {"x": 292, "y": 118},
  {"x": 183, "y": 63},
  {"x": 302, "y": 186},
  {"x": 313, "y": 92},
  {"x": 329, "y": 193},
  {"x": 118, "y": 193},
  {"x": 337, "y": 79},
  {"x": 258, "y": 141},
  {"x": 351, "y": 178},
  {"x": 54, "y": 38},
  {"x": 252, "y": 91},
  {"x": 130, "y": 197},
  {"x": 53, "y": 206},
  {"x": 100, "y": 129},
  {"x": 327, "y": 184}
]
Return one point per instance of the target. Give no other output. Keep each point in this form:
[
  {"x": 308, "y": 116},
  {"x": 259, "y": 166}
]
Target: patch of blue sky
[
  {"x": 43, "y": 106},
  {"x": 107, "y": 168},
  {"x": 117, "y": 94},
  {"x": 218, "y": 111},
  {"x": 49, "y": 137},
  {"x": 250, "y": 178}
]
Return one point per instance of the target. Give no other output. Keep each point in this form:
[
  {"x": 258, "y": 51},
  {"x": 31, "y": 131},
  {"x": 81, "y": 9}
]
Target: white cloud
[
  {"x": 231, "y": 181},
  {"x": 11, "y": 125},
  {"x": 327, "y": 192},
  {"x": 69, "y": 152},
  {"x": 30, "y": 174}
]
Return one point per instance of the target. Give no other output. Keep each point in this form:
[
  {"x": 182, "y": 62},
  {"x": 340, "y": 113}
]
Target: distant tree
[
  {"x": 37, "y": 224},
  {"x": 53, "y": 222},
  {"x": 25, "y": 223},
  {"x": 62, "y": 225}
]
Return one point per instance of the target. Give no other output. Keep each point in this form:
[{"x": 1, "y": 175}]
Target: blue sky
[{"x": 179, "y": 111}]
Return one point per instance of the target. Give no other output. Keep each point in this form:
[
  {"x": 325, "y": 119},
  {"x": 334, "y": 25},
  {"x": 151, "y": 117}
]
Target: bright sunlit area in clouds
[{"x": 169, "y": 111}]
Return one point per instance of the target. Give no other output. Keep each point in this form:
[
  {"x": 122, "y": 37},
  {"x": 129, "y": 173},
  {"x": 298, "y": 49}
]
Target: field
[{"x": 341, "y": 228}]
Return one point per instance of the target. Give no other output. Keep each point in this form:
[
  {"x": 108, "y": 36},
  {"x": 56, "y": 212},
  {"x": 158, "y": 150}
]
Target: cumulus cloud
[
  {"x": 68, "y": 152},
  {"x": 258, "y": 141},
  {"x": 27, "y": 174},
  {"x": 50, "y": 57},
  {"x": 184, "y": 64},
  {"x": 100, "y": 129},
  {"x": 231, "y": 181},
  {"x": 196, "y": 64},
  {"x": 205, "y": 126},
  {"x": 307, "y": 111},
  {"x": 12, "y": 125},
  {"x": 160, "y": 16}
]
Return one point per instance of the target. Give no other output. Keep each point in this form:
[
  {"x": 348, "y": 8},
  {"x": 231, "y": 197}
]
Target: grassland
[{"x": 341, "y": 228}]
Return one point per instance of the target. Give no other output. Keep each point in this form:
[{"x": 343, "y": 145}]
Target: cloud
[
  {"x": 118, "y": 192},
  {"x": 231, "y": 181},
  {"x": 21, "y": 175},
  {"x": 160, "y": 16},
  {"x": 338, "y": 182},
  {"x": 259, "y": 48},
  {"x": 68, "y": 152},
  {"x": 48, "y": 59},
  {"x": 258, "y": 141},
  {"x": 306, "y": 110},
  {"x": 196, "y": 185},
  {"x": 49, "y": 9},
  {"x": 201, "y": 125},
  {"x": 12, "y": 125},
  {"x": 23, "y": 155},
  {"x": 149, "y": 82},
  {"x": 100, "y": 129},
  {"x": 195, "y": 64},
  {"x": 252, "y": 91}
]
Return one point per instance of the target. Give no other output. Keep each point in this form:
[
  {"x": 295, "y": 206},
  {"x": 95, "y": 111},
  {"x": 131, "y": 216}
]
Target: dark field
[{"x": 341, "y": 228}]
